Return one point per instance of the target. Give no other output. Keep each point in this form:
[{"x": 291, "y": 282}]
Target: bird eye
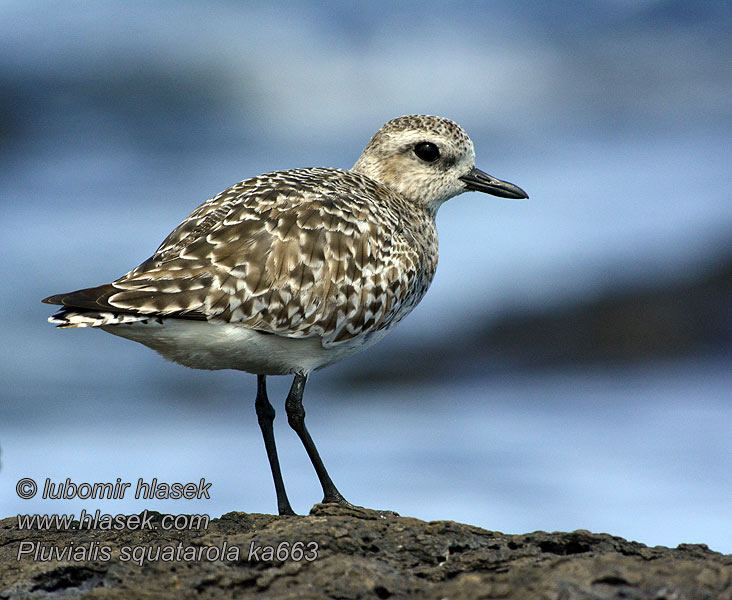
[{"x": 427, "y": 151}]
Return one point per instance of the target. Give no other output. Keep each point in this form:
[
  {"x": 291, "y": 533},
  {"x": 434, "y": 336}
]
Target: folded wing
[{"x": 279, "y": 254}]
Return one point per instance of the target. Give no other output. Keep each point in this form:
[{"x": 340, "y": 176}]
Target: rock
[{"x": 350, "y": 554}]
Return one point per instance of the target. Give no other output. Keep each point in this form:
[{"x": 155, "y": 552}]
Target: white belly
[{"x": 211, "y": 345}]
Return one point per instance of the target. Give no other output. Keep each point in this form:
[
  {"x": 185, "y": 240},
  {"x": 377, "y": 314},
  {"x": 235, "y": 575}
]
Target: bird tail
[
  {"x": 67, "y": 318},
  {"x": 90, "y": 308}
]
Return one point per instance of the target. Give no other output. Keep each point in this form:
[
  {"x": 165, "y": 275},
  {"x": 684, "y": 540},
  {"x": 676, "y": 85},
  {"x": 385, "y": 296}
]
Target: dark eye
[{"x": 427, "y": 151}]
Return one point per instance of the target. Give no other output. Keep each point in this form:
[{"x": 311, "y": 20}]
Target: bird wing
[{"x": 309, "y": 252}]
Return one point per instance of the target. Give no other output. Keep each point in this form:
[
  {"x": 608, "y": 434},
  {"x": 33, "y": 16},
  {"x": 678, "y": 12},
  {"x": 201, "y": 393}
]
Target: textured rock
[{"x": 360, "y": 554}]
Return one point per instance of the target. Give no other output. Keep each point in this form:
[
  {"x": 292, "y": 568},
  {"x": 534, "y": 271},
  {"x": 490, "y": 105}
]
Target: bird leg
[
  {"x": 265, "y": 416},
  {"x": 296, "y": 419}
]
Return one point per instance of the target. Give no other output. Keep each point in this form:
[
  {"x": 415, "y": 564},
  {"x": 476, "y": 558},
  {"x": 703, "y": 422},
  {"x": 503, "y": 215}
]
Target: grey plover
[{"x": 291, "y": 271}]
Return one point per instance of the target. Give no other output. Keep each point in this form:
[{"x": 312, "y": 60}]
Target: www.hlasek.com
[{"x": 106, "y": 522}]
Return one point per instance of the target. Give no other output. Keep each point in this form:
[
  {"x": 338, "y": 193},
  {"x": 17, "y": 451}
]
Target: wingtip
[
  {"x": 55, "y": 299},
  {"x": 83, "y": 298}
]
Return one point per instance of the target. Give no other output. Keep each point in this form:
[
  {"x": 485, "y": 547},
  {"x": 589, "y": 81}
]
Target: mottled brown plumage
[
  {"x": 290, "y": 271},
  {"x": 313, "y": 252},
  {"x": 279, "y": 254}
]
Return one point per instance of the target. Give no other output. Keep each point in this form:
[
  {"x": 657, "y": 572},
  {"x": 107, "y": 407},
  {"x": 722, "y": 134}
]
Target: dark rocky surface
[{"x": 360, "y": 554}]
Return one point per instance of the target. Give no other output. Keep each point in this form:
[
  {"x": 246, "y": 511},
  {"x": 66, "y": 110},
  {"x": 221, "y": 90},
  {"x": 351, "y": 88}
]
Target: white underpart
[{"x": 213, "y": 346}]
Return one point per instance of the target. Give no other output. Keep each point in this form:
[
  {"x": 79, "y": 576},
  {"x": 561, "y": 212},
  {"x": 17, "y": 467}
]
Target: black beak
[{"x": 478, "y": 181}]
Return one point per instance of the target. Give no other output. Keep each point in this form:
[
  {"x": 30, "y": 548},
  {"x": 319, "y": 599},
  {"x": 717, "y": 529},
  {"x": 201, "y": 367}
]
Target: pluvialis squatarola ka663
[{"x": 291, "y": 271}]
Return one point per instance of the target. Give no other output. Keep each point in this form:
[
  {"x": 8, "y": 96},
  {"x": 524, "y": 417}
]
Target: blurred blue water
[
  {"x": 642, "y": 453},
  {"x": 116, "y": 121}
]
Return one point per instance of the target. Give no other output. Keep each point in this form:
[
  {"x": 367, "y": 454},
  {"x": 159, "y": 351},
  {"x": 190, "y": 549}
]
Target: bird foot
[{"x": 343, "y": 509}]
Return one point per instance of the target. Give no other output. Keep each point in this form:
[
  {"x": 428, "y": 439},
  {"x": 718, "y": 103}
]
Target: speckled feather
[{"x": 308, "y": 253}]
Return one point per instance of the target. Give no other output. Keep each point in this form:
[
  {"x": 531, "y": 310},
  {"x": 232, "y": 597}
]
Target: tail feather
[
  {"x": 91, "y": 307},
  {"x": 67, "y": 318}
]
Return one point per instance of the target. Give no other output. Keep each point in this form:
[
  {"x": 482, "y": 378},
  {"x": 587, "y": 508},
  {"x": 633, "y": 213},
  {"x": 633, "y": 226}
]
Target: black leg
[
  {"x": 296, "y": 419},
  {"x": 265, "y": 416}
]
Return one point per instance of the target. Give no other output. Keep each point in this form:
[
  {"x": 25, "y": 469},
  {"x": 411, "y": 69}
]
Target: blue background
[{"x": 117, "y": 119}]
